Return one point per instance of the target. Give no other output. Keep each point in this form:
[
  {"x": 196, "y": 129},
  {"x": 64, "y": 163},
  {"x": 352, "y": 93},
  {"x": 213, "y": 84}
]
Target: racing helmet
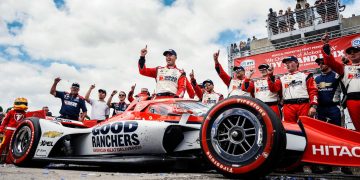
[{"x": 21, "y": 104}]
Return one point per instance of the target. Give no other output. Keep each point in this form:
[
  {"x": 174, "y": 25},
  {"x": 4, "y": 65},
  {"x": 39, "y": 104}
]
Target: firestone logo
[
  {"x": 324, "y": 150},
  {"x": 356, "y": 42}
]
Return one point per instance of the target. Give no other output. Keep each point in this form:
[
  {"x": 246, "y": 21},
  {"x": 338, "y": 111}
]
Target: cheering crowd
[{"x": 292, "y": 95}]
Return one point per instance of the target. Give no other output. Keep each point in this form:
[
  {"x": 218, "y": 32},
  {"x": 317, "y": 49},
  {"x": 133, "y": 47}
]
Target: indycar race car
[{"x": 241, "y": 137}]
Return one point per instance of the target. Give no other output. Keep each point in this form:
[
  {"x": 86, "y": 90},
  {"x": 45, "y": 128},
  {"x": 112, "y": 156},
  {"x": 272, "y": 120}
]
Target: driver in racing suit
[
  {"x": 233, "y": 84},
  {"x": 208, "y": 97},
  {"x": 350, "y": 74},
  {"x": 260, "y": 89},
  {"x": 11, "y": 120},
  {"x": 170, "y": 81},
  {"x": 298, "y": 89}
]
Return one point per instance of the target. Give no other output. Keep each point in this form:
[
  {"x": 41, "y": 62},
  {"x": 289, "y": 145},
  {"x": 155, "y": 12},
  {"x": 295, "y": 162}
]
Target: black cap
[
  {"x": 290, "y": 58},
  {"x": 207, "y": 81},
  {"x": 318, "y": 60},
  {"x": 238, "y": 67},
  {"x": 77, "y": 85},
  {"x": 102, "y": 91},
  {"x": 263, "y": 66},
  {"x": 352, "y": 48},
  {"x": 170, "y": 51}
]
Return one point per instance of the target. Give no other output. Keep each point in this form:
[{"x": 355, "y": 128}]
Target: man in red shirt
[
  {"x": 142, "y": 96},
  {"x": 170, "y": 81},
  {"x": 233, "y": 83},
  {"x": 208, "y": 96},
  {"x": 350, "y": 74},
  {"x": 299, "y": 91},
  {"x": 260, "y": 89},
  {"x": 11, "y": 120}
]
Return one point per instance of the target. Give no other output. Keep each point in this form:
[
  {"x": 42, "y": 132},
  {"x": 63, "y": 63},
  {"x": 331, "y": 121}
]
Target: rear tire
[
  {"x": 242, "y": 138},
  {"x": 24, "y": 142}
]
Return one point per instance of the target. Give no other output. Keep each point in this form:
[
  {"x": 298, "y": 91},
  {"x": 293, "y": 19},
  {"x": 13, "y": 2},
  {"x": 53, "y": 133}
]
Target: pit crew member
[
  {"x": 120, "y": 106},
  {"x": 298, "y": 90},
  {"x": 170, "y": 81},
  {"x": 99, "y": 108}
]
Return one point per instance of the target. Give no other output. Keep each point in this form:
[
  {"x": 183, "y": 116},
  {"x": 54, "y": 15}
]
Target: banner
[{"x": 306, "y": 54}]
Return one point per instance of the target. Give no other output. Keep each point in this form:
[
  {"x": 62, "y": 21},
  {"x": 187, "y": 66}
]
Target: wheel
[
  {"x": 24, "y": 141},
  {"x": 242, "y": 138}
]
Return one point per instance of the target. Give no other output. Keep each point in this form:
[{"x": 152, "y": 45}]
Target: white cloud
[{"x": 104, "y": 38}]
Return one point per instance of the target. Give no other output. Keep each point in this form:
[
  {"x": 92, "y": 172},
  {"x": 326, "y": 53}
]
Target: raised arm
[
  {"x": 329, "y": 59},
  {"x": 223, "y": 75},
  {"x": 53, "y": 87},
  {"x": 150, "y": 72},
  {"x": 110, "y": 98},
  {"x": 131, "y": 93},
  {"x": 87, "y": 95}
]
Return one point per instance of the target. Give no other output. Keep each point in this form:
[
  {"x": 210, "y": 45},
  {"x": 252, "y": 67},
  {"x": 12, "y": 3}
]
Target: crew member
[
  {"x": 71, "y": 102},
  {"x": 298, "y": 89},
  {"x": 233, "y": 84},
  {"x": 170, "y": 81},
  {"x": 142, "y": 96},
  {"x": 329, "y": 94},
  {"x": 260, "y": 89},
  {"x": 350, "y": 74},
  {"x": 11, "y": 120},
  {"x": 208, "y": 97}
]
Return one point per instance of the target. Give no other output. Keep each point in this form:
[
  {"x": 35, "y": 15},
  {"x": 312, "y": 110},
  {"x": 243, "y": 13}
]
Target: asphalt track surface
[{"x": 62, "y": 172}]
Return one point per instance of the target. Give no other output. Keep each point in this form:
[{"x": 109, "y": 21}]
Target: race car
[{"x": 241, "y": 137}]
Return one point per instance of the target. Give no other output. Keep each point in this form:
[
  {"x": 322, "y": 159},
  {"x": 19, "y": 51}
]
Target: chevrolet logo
[{"x": 52, "y": 134}]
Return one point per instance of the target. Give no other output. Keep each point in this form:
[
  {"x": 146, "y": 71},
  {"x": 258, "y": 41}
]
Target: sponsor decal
[
  {"x": 52, "y": 134},
  {"x": 252, "y": 104},
  {"x": 116, "y": 137},
  {"x": 356, "y": 42},
  {"x": 248, "y": 64},
  {"x": 18, "y": 116},
  {"x": 325, "y": 150},
  {"x": 41, "y": 153},
  {"x": 46, "y": 143},
  {"x": 218, "y": 164}
]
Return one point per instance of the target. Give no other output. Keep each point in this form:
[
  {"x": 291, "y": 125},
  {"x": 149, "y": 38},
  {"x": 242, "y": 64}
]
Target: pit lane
[{"x": 63, "y": 172}]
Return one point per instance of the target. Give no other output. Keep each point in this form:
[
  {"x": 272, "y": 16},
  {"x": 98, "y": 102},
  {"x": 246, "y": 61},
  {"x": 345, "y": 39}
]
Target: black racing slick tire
[
  {"x": 242, "y": 138},
  {"x": 24, "y": 142}
]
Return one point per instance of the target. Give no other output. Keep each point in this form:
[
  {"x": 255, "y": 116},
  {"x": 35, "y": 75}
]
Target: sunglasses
[
  {"x": 21, "y": 103},
  {"x": 122, "y": 95}
]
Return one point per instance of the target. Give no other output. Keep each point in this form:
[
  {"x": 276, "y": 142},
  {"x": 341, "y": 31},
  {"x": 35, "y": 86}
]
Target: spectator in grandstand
[
  {"x": 272, "y": 20},
  {"x": 232, "y": 49},
  {"x": 170, "y": 81},
  {"x": 120, "y": 106},
  {"x": 320, "y": 9},
  {"x": 301, "y": 2},
  {"x": 309, "y": 15},
  {"x": 260, "y": 89},
  {"x": 247, "y": 45},
  {"x": 99, "y": 109},
  {"x": 291, "y": 20},
  {"x": 142, "y": 96},
  {"x": 300, "y": 16},
  {"x": 282, "y": 22},
  {"x": 298, "y": 90},
  {"x": 254, "y": 38},
  {"x": 331, "y": 7},
  {"x": 71, "y": 102},
  {"x": 349, "y": 74},
  {"x": 208, "y": 97},
  {"x": 46, "y": 110},
  {"x": 233, "y": 83},
  {"x": 328, "y": 84},
  {"x": 236, "y": 49}
]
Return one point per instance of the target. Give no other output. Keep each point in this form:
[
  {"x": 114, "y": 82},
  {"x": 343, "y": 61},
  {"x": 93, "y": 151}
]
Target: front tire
[
  {"x": 24, "y": 141},
  {"x": 242, "y": 138}
]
